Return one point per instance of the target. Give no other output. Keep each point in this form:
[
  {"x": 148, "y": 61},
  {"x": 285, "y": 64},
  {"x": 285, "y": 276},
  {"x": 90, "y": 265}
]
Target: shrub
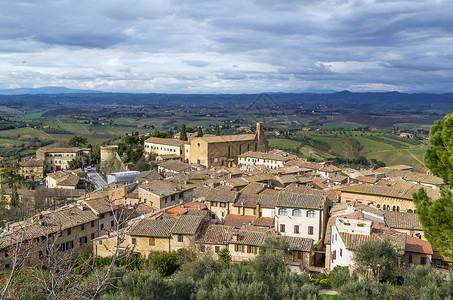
[{"x": 339, "y": 277}]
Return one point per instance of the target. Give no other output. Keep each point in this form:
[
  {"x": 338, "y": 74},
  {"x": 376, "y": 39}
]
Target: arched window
[
  {"x": 394, "y": 208},
  {"x": 397, "y": 208},
  {"x": 297, "y": 213},
  {"x": 409, "y": 211},
  {"x": 283, "y": 211},
  {"x": 311, "y": 214}
]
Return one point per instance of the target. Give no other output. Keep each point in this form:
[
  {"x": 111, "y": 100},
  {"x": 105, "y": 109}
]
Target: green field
[{"x": 385, "y": 147}]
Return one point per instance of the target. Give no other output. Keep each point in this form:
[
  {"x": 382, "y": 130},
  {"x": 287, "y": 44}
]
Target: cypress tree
[
  {"x": 183, "y": 135},
  {"x": 200, "y": 132},
  {"x": 217, "y": 131}
]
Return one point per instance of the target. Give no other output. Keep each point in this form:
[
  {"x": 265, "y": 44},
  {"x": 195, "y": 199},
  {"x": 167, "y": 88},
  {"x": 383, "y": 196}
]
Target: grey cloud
[{"x": 196, "y": 63}]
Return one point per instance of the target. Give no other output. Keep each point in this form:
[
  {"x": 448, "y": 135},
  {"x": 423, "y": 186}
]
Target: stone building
[
  {"x": 32, "y": 169},
  {"x": 224, "y": 150},
  {"x": 58, "y": 158}
]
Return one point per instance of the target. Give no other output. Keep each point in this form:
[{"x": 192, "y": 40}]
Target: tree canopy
[
  {"x": 380, "y": 257},
  {"x": 77, "y": 141},
  {"x": 436, "y": 217},
  {"x": 183, "y": 135}
]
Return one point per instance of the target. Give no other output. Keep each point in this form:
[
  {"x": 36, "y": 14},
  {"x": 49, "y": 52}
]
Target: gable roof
[
  {"x": 227, "y": 138},
  {"x": 167, "y": 142},
  {"x": 215, "y": 234},
  {"x": 187, "y": 224},
  {"x": 164, "y": 188},
  {"x": 380, "y": 191},
  {"x": 417, "y": 245},
  {"x": 402, "y": 220},
  {"x": 299, "y": 243},
  {"x": 299, "y": 201},
  {"x": 221, "y": 194},
  {"x": 247, "y": 237},
  {"x": 247, "y": 200},
  {"x": 153, "y": 227}
]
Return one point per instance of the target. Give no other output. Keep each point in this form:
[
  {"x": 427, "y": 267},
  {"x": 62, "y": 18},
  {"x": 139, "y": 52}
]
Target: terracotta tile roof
[
  {"x": 99, "y": 205},
  {"x": 246, "y": 237},
  {"x": 62, "y": 149},
  {"x": 299, "y": 243},
  {"x": 187, "y": 224},
  {"x": 220, "y": 194},
  {"x": 417, "y": 245},
  {"x": 329, "y": 168},
  {"x": 402, "y": 220},
  {"x": 258, "y": 177},
  {"x": 264, "y": 222},
  {"x": 165, "y": 188},
  {"x": 285, "y": 179},
  {"x": 175, "y": 165},
  {"x": 247, "y": 200},
  {"x": 340, "y": 178},
  {"x": 153, "y": 227},
  {"x": 64, "y": 178},
  {"x": 253, "y": 188},
  {"x": 367, "y": 179},
  {"x": 268, "y": 201},
  {"x": 228, "y": 138},
  {"x": 412, "y": 176},
  {"x": 168, "y": 156},
  {"x": 276, "y": 155},
  {"x": 438, "y": 256},
  {"x": 53, "y": 221},
  {"x": 238, "y": 220},
  {"x": 380, "y": 191},
  {"x": 269, "y": 192},
  {"x": 34, "y": 162},
  {"x": 236, "y": 182},
  {"x": 291, "y": 200},
  {"x": 354, "y": 241},
  {"x": 150, "y": 175},
  {"x": 201, "y": 192},
  {"x": 333, "y": 195},
  {"x": 215, "y": 234},
  {"x": 305, "y": 164},
  {"x": 169, "y": 142},
  {"x": 320, "y": 182}
]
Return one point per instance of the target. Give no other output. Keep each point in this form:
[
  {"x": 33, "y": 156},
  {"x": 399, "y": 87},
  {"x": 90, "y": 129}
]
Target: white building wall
[
  {"x": 268, "y": 212},
  {"x": 343, "y": 256},
  {"x": 302, "y": 221},
  {"x": 161, "y": 149}
]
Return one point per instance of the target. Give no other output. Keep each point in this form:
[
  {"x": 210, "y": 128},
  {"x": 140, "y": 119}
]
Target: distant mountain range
[{"x": 46, "y": 90}]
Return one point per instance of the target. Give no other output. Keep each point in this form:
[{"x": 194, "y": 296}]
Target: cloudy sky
[{"x": 226, "y": 46}]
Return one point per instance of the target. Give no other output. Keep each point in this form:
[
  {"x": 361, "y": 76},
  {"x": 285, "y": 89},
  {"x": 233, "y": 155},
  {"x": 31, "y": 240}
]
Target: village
[{"x": 213, "y": 192}]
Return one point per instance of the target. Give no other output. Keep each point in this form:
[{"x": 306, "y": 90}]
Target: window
[
  {"x": 254, "y": 211},
  {"x": 423, "y": 260},
  {"x": 92, "y": 223},
  {"x": 69, "y": 231},
  {"x": 69, "y": 245},
  {"x": 283, "y": 211},
  {"x": 202, "y": 248},
  {"x": 252, "y": 249},
  {"x": 239, "y": 248},
  {"x": 296, "y": 228},
  {"x": 297, "y": 213},
  {"x": 173, "y": 198},
  {"x": 222, "y": 204},
  {"x": 180, "y": 238},
  {"x": 214, "y": 204},
  {"x": 152, "y": 241},
  {"x": 92, "y": 236},
  {"x": 102, "y": 226},
  {"x": 239, "y": 210},
  {"x": 112, "y": 223},
  {"x": 282, "y": 227},
  {"x": 217, "y": 249},
  {"x": 134, "y": 241},
  {"x": 310, "y": 229},
  {"x": 334, "y": 255},
  {"x": 311, "y": 214},
  {"x": 341, "y": 252},
  {"x": 101, "y": 216},
  {"x": 82, "y": 227},
  {"x": 410, "y": 259},
  {"x": 83, "y": 240}
]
